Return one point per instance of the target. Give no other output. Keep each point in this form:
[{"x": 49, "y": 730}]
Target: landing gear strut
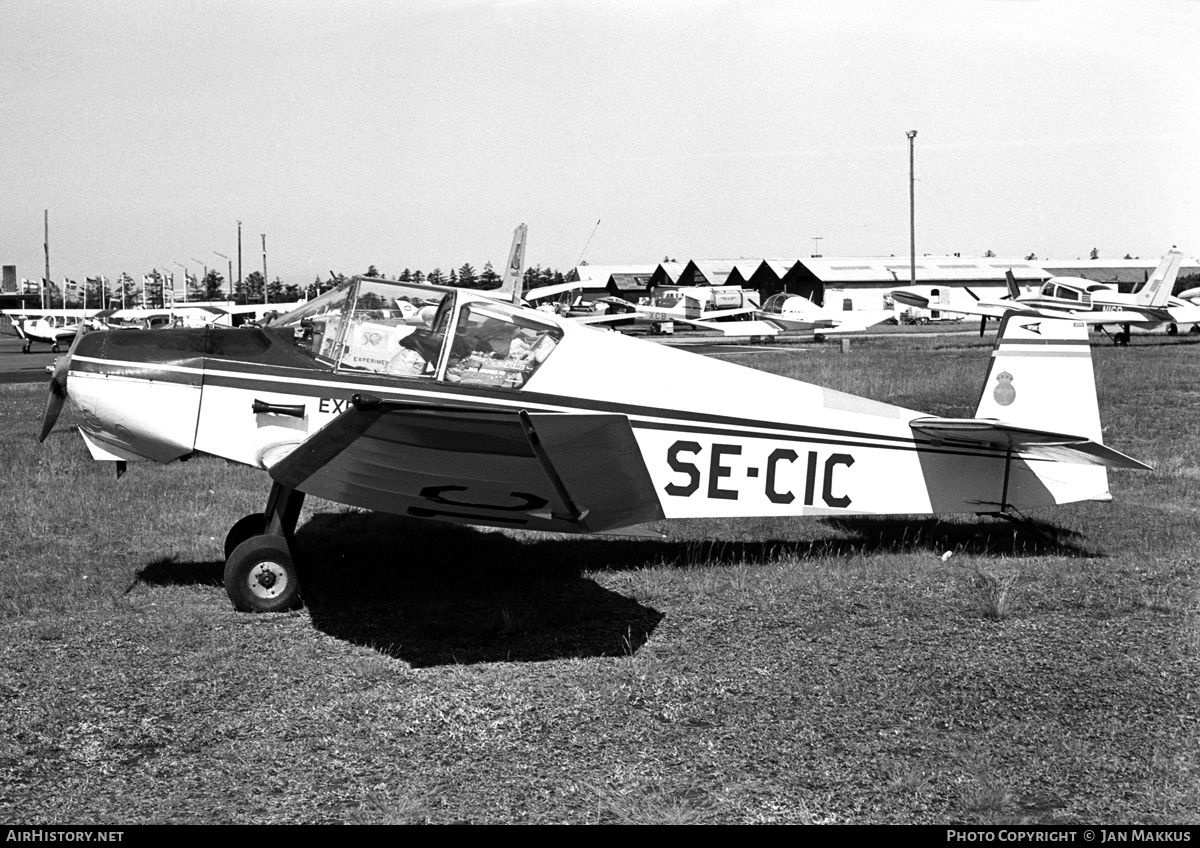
[{"x": 260, "y": 571}]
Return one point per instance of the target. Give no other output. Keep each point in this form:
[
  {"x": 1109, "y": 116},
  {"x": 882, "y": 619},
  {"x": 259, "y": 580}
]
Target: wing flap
[{"x": 988, "y": 432}]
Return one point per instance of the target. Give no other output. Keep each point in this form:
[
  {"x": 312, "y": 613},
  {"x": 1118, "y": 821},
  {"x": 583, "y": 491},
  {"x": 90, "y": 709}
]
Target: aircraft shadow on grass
[{"x": 436, "y": 594}]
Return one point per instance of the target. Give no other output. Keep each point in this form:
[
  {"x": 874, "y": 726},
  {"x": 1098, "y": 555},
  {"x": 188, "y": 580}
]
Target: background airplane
[
  {"x": 52, "y": 327},
  {"x": 727, "y": 310},
  {"x": 795, "y": 312},
  {"x": 500, "y": 415},
  {"x": 1152, "y": 305}
]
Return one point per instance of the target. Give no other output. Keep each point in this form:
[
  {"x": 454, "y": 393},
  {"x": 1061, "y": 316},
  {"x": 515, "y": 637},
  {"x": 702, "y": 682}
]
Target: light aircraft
[
  {"x": 52, "y": 327},
  {"x": 727, "y": 310},
  {"x": 1087, "y": 301},
  {"x": 496, "y": 414},
  {"x": 795, "y": 312}
]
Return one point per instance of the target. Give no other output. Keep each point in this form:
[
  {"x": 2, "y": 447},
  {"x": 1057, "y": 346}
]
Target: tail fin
[
  {"x": 1158, "y": 288},
  {"x": 1014, "y": 291},
  {"x": 1041, "y": 377},
  {"x": 514, "y": 271}
]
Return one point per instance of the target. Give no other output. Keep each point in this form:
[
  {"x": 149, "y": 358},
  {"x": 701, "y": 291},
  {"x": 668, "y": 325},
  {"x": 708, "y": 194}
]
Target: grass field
[{"x": 801, "y": 671}]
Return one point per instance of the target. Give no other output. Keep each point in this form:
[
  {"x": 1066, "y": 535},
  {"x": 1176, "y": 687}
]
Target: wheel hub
[{"x": 268, "y": 580}]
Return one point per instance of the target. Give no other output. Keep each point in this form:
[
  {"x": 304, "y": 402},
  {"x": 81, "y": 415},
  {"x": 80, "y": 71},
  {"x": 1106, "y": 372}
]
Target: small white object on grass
[{"x": 947, "y": 555}]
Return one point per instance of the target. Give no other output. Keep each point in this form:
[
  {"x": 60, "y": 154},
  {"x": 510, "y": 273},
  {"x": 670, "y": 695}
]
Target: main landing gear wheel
[
  {"x": 25, "y": 347},
  {"x": 260, "y": 576},
  {"x": 55, "y": 348},
  {"x": 254, "y": 524}
]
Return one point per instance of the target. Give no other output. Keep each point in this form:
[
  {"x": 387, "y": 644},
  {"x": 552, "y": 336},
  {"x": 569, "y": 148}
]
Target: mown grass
[{"x": 738, "y": 671}]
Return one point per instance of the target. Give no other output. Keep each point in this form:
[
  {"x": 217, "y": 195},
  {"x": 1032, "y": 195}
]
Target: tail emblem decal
[{"x": 1004, "y": 392}]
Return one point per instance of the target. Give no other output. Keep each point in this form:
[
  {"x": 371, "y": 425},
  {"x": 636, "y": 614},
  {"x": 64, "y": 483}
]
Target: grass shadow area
[
  {"x": 169, "y": 571},
  {"x": 435, "y": 594},
  {"x": 971, "y": 536},
  {"x": 432, "y": 593}
]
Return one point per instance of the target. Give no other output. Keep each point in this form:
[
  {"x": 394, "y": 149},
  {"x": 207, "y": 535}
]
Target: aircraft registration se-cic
[{"x": 467, "y": 406}]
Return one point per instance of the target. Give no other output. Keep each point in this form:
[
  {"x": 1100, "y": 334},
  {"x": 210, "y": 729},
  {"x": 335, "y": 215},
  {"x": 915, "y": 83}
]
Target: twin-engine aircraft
[
  {"x": 455, "y": 405},
  {"x": 1087, "y": 301}
]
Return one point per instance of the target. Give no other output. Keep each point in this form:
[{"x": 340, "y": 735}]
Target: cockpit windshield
[
  {"x": 774, "y": 303},
  {"x": 372, "y": 326},
  {"x": 496, "y": 345},
  {"x": 402, "y": 330}
]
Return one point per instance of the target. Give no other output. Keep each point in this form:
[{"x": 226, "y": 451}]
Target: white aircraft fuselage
[{"x": 447, "y": 404}]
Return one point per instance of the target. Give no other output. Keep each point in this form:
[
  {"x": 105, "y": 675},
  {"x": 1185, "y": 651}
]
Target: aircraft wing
[
  {"x": 549, "y": 291},
  {"x": 496, "y": 467},
  {"x": 857, "y": 322},
  {"x": 1060, "y": 447},
  {"x": 920, "y": 301},
  {"x": 1189, "y": 314},
  {"x": 731, "y": 328},
  {"x": 999, "y": 310},
  {"x": 605, "y": 318}
]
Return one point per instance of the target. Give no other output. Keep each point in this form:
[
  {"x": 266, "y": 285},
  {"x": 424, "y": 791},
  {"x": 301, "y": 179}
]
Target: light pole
[
  {"x": 239, "y": 254},
  {"x": 46, "y": 245},
  {"x": 266, "y": 299},
  {"x": 912, "y": 214},
  {"x": 203, "y": 279},
  {"x": 230, "y": 261},
  {"x": 185, "y": 282},
  {"x": 817, "y": 246}
]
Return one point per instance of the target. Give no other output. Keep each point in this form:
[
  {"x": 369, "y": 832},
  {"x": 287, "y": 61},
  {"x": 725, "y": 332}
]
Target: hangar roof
[
  {"x": 896, "y": 269},
  {"x": 597, "y": 276}
]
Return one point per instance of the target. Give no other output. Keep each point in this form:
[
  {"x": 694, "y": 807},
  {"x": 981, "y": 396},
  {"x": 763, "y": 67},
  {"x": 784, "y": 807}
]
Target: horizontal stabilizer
[{"x": 989, "y": 432}]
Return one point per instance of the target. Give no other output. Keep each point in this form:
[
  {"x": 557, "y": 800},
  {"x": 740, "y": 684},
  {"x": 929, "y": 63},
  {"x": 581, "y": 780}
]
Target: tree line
[{"x": 154, "y": 290}]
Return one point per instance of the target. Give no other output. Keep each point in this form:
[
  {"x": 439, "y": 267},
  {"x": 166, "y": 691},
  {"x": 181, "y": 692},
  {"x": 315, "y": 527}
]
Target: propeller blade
[
  {"x": 982, "y": 325},
  {"x": 58, "y": 391}
]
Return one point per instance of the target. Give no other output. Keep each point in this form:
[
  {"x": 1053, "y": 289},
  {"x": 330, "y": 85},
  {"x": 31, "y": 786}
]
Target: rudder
[{"x": 1041, "y": 377}]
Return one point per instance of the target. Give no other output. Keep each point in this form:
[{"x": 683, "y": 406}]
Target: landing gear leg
[{"x": 260, "y": 571}]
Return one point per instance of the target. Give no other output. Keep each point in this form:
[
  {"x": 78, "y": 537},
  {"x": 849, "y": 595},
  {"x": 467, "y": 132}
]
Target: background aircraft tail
[
  {"x": 514, "y": 272},
  {"x": 1014, "y": 291},
  {"x": 1158, "y": 287}
]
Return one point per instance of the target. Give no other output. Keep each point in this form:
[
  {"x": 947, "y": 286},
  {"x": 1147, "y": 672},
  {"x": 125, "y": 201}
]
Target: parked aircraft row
[
  {"x": 56, "y": 327},
  {"x": 1087, "y": 301},
  {"x": 466, "y": 406}
]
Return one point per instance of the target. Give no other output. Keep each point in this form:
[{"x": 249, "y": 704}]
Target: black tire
[
  {"x": 254, "y": 524},
  {"x": 1172, "y": 329},
  {"x": 55, "y": 348},
  {"x": 25, "y": 348},
  {"x": 260, "y": 576}
]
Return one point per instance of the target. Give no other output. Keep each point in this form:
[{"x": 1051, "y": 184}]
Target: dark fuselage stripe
[{"x": 321, "y": 384}]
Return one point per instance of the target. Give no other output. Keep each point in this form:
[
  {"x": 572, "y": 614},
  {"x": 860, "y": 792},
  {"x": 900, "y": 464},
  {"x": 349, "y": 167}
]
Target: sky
[{"x": 419, "y": 134}]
